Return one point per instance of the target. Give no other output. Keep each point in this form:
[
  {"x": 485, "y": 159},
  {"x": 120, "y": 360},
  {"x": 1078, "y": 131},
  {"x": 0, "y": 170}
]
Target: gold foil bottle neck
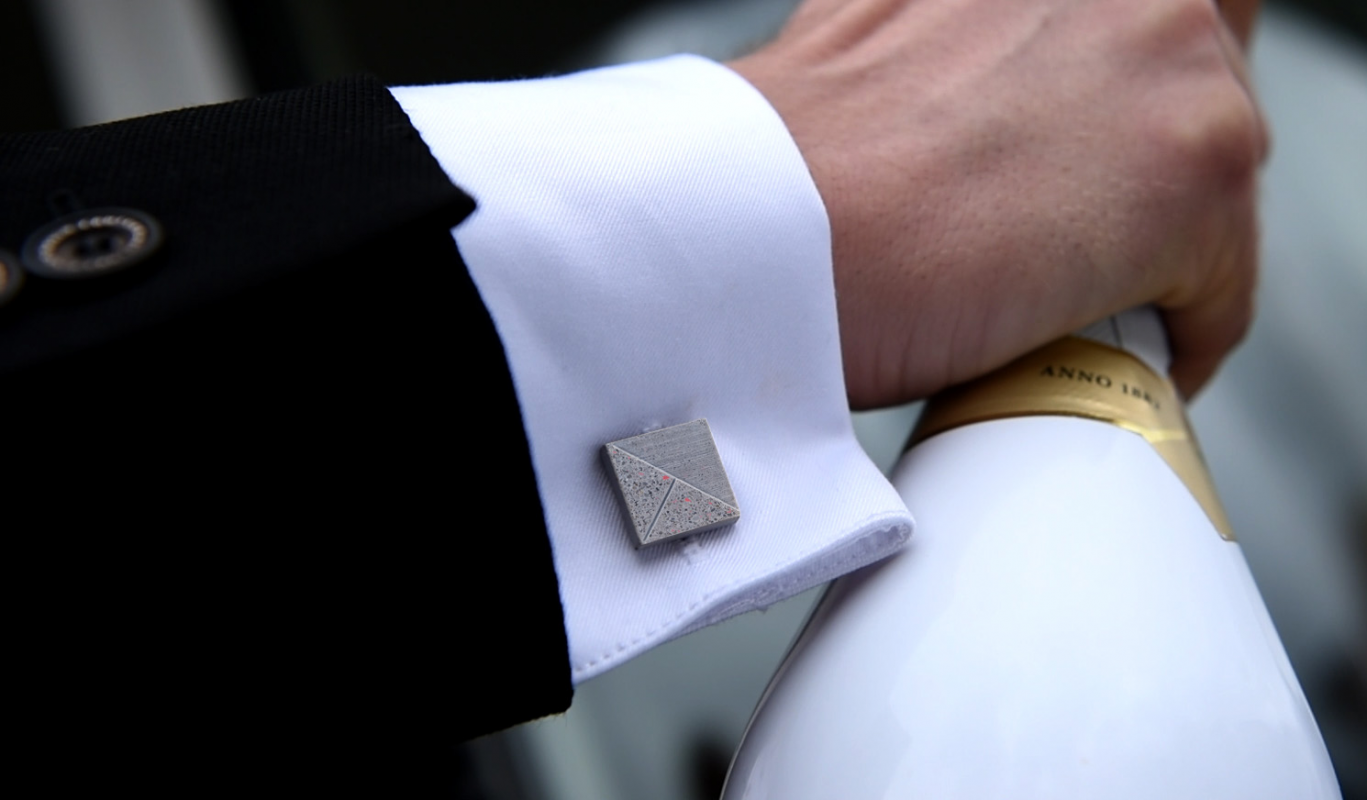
[{"x": 1079, "y": 378}]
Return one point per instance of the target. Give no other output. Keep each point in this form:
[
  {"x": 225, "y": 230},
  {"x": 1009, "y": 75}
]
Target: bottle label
[{"x": 1076, "y": 377}]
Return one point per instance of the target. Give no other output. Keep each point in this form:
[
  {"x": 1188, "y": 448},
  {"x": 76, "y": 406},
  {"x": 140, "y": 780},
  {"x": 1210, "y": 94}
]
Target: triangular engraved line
[
  {"x": 670, "y": 493},
  {"x": 645, "y": 535},
  {"x": 629, "y": 446},
  {"x": 704, "y": 494},
  {"x": 663, "y": 503}
]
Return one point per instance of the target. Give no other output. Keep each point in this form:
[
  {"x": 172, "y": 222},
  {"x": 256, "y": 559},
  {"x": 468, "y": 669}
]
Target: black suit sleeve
[{"x": 270, "y": 502}]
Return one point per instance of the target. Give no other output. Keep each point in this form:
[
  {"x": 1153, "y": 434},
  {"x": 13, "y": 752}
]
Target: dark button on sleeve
[{"x": 92, "y": 243}]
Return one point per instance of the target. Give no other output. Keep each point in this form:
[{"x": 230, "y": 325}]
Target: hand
[{"x": 998, "y": 173}]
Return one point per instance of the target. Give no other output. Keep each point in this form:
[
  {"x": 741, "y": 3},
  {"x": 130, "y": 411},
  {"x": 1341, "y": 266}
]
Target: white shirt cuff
[{"x": 653, "y": 250}]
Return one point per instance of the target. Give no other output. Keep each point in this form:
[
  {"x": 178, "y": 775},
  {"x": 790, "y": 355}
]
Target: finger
[
  {"x": 1202, "y": 337},
  {"x": 1241, "y": 16},
  {"x": 1238, "y": 65},
  {"x": 1202, "y": 332}
]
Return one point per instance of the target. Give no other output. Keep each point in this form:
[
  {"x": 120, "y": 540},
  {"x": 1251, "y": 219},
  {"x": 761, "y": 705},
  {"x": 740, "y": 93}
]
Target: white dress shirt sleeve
[{"x": 653, "y": 250}]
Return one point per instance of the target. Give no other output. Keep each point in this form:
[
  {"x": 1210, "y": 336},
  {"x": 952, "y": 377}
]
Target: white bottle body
[{"x": 1065, "y": 623}]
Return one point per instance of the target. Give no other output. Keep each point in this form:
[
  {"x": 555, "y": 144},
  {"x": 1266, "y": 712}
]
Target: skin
[{"x": 998, "y": 173}]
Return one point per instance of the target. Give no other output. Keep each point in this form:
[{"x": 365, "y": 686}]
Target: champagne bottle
[{"x": 1071, "y": 619}]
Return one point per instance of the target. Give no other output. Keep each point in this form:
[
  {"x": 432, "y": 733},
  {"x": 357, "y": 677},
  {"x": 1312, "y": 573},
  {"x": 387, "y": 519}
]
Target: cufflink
[{"x": 671, "y": 482}]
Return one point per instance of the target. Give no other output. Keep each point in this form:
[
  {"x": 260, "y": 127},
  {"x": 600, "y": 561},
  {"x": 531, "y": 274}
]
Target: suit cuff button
[{"x": 92, "y": 243}]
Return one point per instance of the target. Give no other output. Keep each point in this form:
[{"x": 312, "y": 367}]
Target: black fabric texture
[{"x": 271, "y": 507}]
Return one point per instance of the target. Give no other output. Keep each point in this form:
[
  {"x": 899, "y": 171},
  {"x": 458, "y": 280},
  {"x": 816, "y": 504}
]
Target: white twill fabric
[{"x": 653, "y": 250}]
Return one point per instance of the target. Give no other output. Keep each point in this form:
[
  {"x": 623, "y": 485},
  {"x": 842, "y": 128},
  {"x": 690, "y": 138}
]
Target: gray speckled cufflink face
[{"x": 671, "y": 482}]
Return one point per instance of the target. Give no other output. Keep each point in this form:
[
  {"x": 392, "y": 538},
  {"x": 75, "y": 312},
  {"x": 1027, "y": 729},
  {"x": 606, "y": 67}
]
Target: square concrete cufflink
[{"x": 671, "y": 482}]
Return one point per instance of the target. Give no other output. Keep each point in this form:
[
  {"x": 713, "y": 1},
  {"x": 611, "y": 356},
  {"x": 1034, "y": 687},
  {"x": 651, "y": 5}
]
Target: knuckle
[
  {"x": 1196, "y": 17},
  {"x": 1162, "y": 28},
  {"x": 1219, "y": 136},
  {"x": 1170, "y": 23},
  {"x": 1233, "y": 147}
]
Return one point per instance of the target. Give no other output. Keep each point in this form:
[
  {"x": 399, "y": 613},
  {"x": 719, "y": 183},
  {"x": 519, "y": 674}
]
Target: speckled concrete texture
[
  {"x": 688, "y": 510},
  {"x": 672, "y": 482},
  {"x": 686, "y": 452},
  {"x": 641, "y": 487}
]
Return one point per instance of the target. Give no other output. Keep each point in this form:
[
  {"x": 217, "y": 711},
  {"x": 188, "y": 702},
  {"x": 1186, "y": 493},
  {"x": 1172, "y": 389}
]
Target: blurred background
[{"x": 1284, "y": 427}]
